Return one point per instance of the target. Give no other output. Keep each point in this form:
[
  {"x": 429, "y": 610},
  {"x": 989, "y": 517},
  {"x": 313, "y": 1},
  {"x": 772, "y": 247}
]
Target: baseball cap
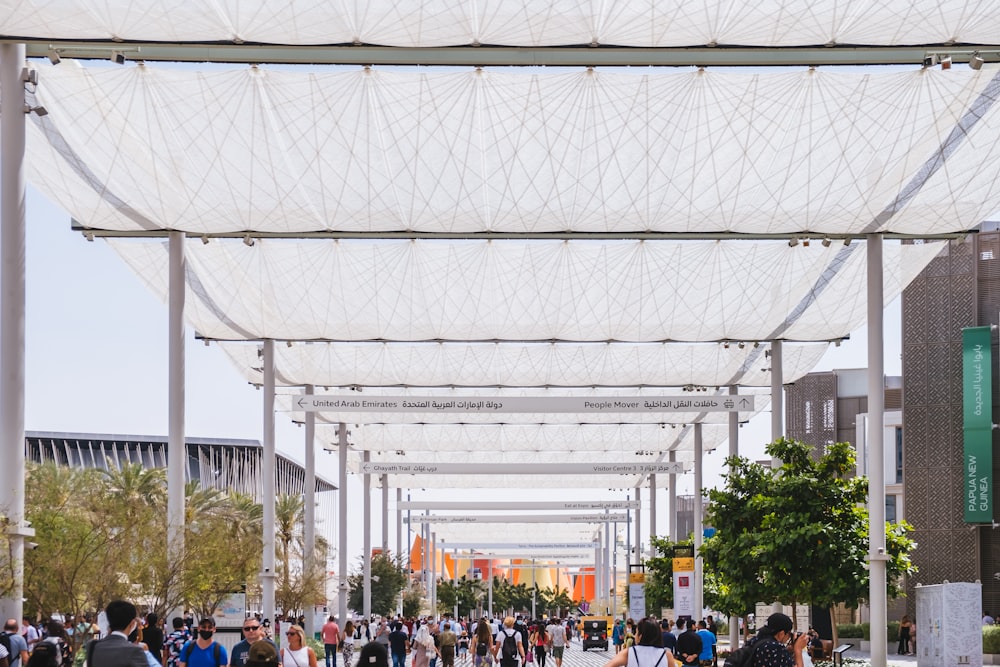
[
  {"x": 262, "y": 653},
  {"x": 778, "y": 622}
]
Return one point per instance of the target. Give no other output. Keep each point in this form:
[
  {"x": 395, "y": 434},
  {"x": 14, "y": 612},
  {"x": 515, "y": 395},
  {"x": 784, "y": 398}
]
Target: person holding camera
[{"x": 776, "y": 645}]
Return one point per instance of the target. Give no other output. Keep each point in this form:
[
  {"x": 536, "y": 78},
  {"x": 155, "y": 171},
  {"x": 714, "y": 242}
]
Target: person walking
[
  {"x": 482, "y": 645},
  {"x": 648, "y": 650},
  {"x": 556, "y": 638},
  {"x": 204, "y": 651},
  {"x": 447, "y": 640},
  {"x": 253, "y": 632},
  {"x": 347, "y": 642},
  {"x": 540, "y": 644},
  {"x": 399, "y": 646},
  {"x": 905, "y": 628},
  {"x": 331, "y": 639},
  {"x": 508, "y": 647},
  {"x": 297, "y": 654},
  {"x": 116, "y": 650}
]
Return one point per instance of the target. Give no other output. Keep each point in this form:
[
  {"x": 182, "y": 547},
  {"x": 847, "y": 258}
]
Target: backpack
[
  {"x": 5, "y": 642},
  {"x": 508, "y": 651},
  {"x": 743, "y": 656},
  {"x": 185, "y": 655}
]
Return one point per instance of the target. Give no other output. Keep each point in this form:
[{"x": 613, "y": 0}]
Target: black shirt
[
  {"x": 689, "y": 643},
  {"x": 397, "y": 642}
]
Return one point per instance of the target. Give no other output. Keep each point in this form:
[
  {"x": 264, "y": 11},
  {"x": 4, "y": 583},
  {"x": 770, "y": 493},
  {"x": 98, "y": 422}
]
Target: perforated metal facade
[{"x": 960, "y": 288}]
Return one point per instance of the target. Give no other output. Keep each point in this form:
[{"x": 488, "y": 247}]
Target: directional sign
[
  {"x": 577, "y": 506},
  {"x": 396, "y": 468},
  {"x": 524, "y": 404},
  {"x": 522, "y": 545},
  {"x": 517, "y": 518}
]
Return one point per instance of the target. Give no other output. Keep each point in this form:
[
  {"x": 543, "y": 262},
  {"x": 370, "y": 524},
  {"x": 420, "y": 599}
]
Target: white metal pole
[
  {"x": 534, "y": 612},
  {"x": 734, "y": 450},
  {"x": 267, "y": 469},
  {"x": 489, "y": 612},
  {"x": 652, "y": 515},
  {"x": 176, "y": 446},
  {"x": 366, "y": 512},
  {"x": 342, "y": 587},
  {"x": 434, "y": 575},
  {"x": 638, "y": 531},
  {"x": 309, "y": 509},
  {"x": 399, "y": 522},
  {"x": 12, "y": 315},
  {"x": 385, "y": 514},
  {"x": 777, "y": 396},
  {"x": 608, "y": 541},
  {"x": 598, "y": 572},
  {"x": 672, "y": 528},
  {"x": 876, "y": 453},
  {"x": 699, "y": 456}
]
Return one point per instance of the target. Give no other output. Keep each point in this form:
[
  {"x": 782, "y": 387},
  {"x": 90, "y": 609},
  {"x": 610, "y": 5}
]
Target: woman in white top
[
  {"x": 648, "y": 650},
  {"x": 347, "y": 643},
  {"x": 297, "y": 654}
]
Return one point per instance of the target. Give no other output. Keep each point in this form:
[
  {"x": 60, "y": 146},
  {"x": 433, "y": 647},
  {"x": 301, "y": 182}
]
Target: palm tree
[{"x": 132, "y": 485}]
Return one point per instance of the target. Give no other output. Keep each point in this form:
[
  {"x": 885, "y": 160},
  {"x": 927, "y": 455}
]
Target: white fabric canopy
[
  {"x": 524, "y": 23},
  {"x": 523, "y": 365},
  {"x": 467, "y": 151},
  {"x": 524, "y": 290}
]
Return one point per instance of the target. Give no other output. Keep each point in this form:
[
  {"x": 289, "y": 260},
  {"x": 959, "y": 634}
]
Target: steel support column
[
  {"x": 267, "y": 469},
  {"x": 777, "y": 396},
  {"x": 652, "y": 515},
  {"x": 384, "y": 480},
  {"x": 12, "y": 316},
  {"x": 699, "y": 565},
  {"x": 309, "y": 510},
  {"x": 342, "y": 587},
  {"x": 876, "y": 453},
  {"x": 176, "y": 446},
  {"x": 366, "y": 559}
]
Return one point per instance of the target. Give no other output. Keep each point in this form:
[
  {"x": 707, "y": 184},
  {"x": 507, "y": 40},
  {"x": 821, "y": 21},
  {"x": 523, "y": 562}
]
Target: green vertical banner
[{"x": 977, "y": 392}]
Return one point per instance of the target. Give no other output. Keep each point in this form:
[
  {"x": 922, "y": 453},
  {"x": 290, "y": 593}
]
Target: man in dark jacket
[
  {"x": 688, "y": 644},
  {"x": 116, "y": 650}
]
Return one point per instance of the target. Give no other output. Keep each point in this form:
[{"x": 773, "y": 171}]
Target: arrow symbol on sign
[
  {"x": 744, "y": 402},
  {"x": 301, "y": 401}
]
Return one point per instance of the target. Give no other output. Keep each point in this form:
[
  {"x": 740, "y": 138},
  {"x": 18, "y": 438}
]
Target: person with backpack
[
  {"x": 15, "y": 644},
  {"x": 508, "y": 647},
  {"x": 647, "y": 651},
  {"x": 482, "y": 645},
  {"x": 204, "y": 651},
  {"x": 770, "y": 648}
]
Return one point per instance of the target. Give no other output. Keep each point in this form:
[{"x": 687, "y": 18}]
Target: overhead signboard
[
  {"x": 523, "y": 404},
  {"x": 516, "y": 518},
  {"x": 521, "y": 505},
  {"x": 417, "y": 468},
  {"x": 517, "y": 545}
]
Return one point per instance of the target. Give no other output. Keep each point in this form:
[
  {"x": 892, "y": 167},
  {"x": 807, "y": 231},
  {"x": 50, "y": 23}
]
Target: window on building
[
  {"x": 899, "y": 455},
  {"x": 890, "y": 508}
]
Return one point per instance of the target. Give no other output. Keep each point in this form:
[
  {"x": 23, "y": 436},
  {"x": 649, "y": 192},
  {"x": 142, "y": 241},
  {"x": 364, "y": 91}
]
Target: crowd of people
[
  {"x": 515, "y": 641},
  {"x": 449, "y": 641}
]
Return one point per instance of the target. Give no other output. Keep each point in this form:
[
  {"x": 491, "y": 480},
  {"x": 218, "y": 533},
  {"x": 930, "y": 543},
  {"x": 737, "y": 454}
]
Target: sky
[{"x": 96, "y": 362}]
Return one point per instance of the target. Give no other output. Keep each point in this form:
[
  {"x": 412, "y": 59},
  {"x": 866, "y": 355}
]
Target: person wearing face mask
[
  {"x": 116, "y": 650},
  {"x": 204, "y": 651}
]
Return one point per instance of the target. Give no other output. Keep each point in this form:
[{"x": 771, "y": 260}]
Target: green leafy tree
[
  {"x": 797, "y": 533},
  {"x": 464, "y": 593},
  {"x": 388, "y": 579},
  {"x": 413, "y": 601}
]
